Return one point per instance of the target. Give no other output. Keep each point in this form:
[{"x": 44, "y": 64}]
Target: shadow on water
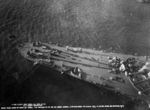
[{"x": 50, "y": 87}]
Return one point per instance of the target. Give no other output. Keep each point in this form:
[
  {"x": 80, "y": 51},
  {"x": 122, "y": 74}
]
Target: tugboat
[{"x": 126, "y": 74}]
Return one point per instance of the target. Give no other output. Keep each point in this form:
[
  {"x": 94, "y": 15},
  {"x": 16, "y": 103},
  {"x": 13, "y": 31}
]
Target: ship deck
[{"x": 93, "y": 63}]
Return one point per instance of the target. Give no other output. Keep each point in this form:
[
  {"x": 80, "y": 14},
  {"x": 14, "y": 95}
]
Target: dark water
[
  {"x": 48, "y": 86},
  {"x": 85, "y": 23}
]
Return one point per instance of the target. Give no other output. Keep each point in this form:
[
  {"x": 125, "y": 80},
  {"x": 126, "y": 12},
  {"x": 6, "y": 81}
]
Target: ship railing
[{"x": 145, "y": 80}]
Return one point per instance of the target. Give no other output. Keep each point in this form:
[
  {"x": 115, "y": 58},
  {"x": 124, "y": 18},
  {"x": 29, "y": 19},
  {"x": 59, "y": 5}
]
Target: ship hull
[{"x": 86, "y": 64}]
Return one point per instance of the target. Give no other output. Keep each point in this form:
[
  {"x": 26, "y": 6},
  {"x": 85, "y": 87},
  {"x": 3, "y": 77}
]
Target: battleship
[{"x": 123, "y": 73}]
